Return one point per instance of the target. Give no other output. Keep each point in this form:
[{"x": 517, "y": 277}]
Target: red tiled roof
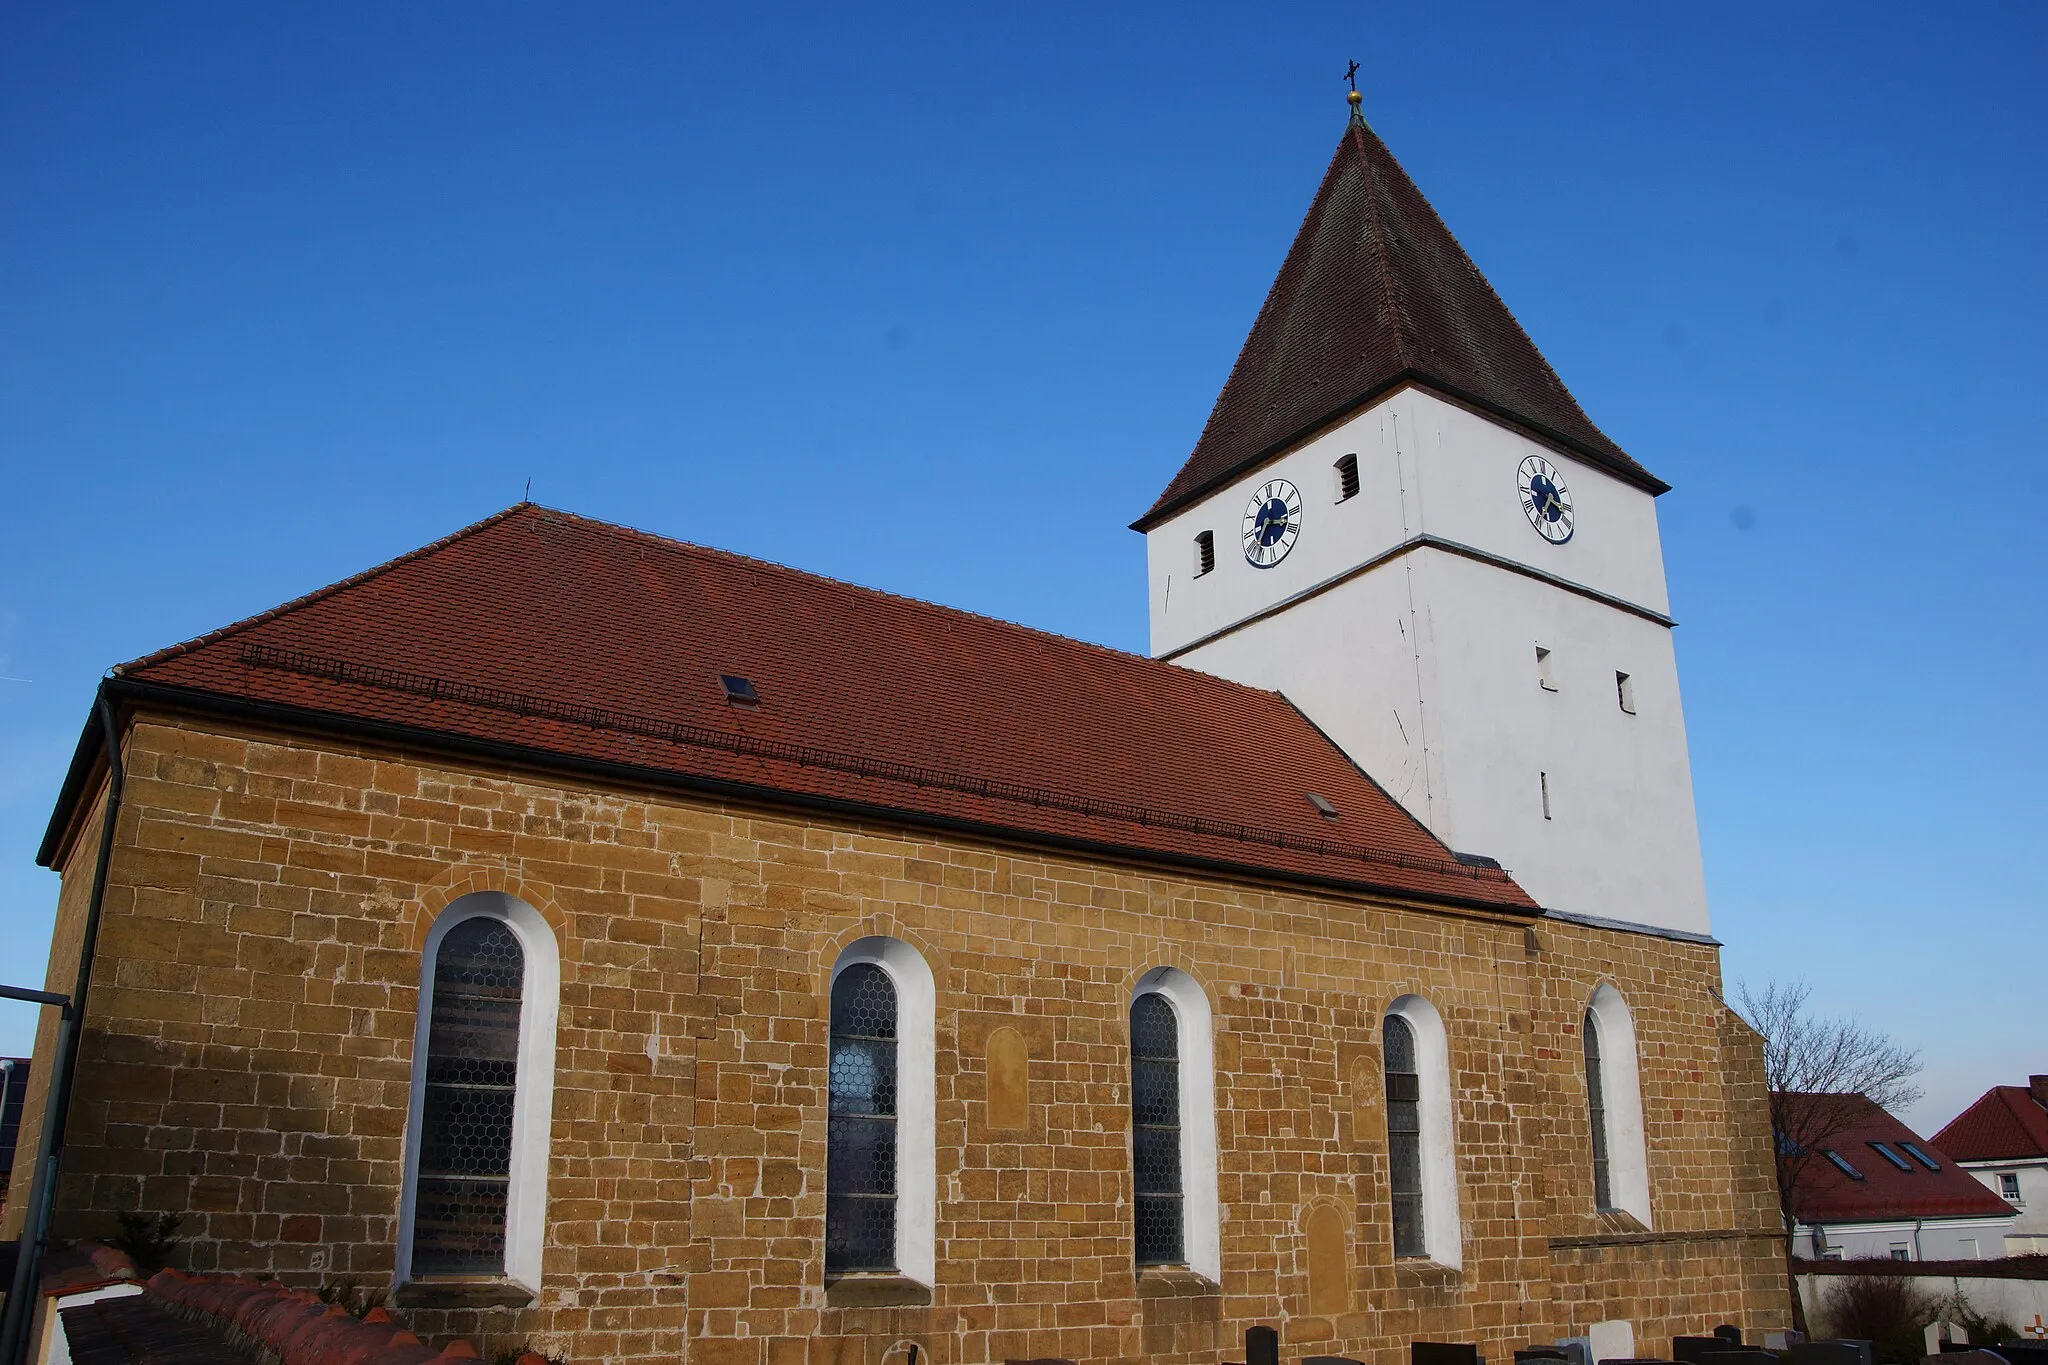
[
  {"x": 1376, "y": 292},
  {"x": 561, "y": 636},
  {"x": 1824, "y": 1194},
  {"x": 2006, "y": 1124}
]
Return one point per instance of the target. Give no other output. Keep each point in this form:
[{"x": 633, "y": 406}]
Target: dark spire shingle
[{"x": 1376, "y": 292}]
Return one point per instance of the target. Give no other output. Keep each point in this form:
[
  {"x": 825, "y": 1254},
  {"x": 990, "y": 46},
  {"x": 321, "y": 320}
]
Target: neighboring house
[
  {"x": 1876, "y": 1188},
  {"x": 13, "y": 1090},
  {"x": 2002, "y": 1139}
]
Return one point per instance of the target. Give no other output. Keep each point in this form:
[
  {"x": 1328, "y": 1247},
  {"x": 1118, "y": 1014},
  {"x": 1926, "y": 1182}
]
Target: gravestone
[
  {"x": 1728, "y": 1331},
  {"x": 1831, "y": 1353},
  {"x": 1443, "y": 1353},
  {"x": 1691, "y": 1349}
]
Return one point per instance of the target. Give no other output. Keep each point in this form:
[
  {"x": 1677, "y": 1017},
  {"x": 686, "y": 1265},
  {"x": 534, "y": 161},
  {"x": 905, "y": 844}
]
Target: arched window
[
  {"x": 1404, "y": 1136},
  {"x": 1155, "y": 1129},
  {"x": 1421, "y": 1153},
  {"x": 1175, "y": 1219},
  {"x": 1596, "y": 1109},
  {"x": 881, "y": 1179},
  {"x": 860, "y": 1171},
  {"x": 1614, "y": 1105},
  {"x": 475, "y": 1196}
]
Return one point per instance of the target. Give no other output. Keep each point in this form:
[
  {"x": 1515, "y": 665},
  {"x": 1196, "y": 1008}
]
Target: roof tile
[{"x": 564, "y": 636}]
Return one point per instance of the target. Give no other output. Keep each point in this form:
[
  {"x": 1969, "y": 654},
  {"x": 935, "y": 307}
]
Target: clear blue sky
[{"x": 937, "y": 297}]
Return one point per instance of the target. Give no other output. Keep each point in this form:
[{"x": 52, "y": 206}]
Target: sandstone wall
[{"x": 250, "y": 1037}]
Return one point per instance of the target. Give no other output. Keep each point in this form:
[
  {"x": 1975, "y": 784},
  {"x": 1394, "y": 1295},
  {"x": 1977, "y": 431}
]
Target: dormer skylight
[{"x": 738, "y": 690}]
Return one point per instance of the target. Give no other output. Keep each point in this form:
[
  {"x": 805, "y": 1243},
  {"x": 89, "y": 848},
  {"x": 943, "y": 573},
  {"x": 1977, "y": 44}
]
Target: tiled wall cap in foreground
[{"x": 295, "y": 1325}]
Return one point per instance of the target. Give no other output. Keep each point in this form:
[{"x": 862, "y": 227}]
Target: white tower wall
[{"x": 1406, "y": 622}]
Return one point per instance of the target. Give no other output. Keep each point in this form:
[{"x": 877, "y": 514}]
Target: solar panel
[{"x": 738, "y": 690}]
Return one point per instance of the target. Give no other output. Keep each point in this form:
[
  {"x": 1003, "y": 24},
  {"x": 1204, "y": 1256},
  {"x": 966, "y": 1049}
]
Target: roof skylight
[
  {"x": 1323, "y": 807},
  {"x": 1889, "y": 1155},
  {"x": 1841, "y": 1163},
  {"x": 738, "y": 690},
  {"x": 1913, "y": 1151}
]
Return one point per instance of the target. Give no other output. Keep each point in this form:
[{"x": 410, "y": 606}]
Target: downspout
[{"x": 23, "y": 1296}]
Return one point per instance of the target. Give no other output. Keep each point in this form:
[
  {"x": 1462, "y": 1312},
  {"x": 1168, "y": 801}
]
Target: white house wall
[{"x": 2032, "y": 1207}]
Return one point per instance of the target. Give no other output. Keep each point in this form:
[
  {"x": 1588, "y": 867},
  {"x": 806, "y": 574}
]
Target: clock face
[
  {"x": 1545, "y": 500},
  {"x": 1272, "y": 523}
]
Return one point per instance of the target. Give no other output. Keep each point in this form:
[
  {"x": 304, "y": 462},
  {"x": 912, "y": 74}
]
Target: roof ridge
[
  {"x": 307, "y": 599},
  {"x": 983, "y": 618}
]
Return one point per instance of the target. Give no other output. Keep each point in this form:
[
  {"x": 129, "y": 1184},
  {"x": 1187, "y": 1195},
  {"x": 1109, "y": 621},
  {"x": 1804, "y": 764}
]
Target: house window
[
  {"x": 1901, "y": 1251},
  {"x": 1597, "y": 1112},
  {"x": 880, "y": 1142},
  {"x": 2009, "y": 1186},
  {"x": 1155, "y": 1130},
  {"x": 1614, "y": 1097},
  {"x": 860, "y": 1163},
  {"x": 1205, "y": 552},
  {"x": 465, "y": 1164},
  {"x": 1421, "y": 1157},
  {"x": 1176, "y": 1219},
  {"x": 1545, "y": 679},
  {"x": 1967, "y": 1247},
  {"x": 1625, "y": 691},
  {"x": 474, "y": 1201},
  {"x": 1347, "y": 478},
  {"x": 1404, "y": 1136}
]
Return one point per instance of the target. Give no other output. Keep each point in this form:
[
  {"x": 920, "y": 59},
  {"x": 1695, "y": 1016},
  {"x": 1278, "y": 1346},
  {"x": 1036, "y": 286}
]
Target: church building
[{"x": 636, "y": 952}]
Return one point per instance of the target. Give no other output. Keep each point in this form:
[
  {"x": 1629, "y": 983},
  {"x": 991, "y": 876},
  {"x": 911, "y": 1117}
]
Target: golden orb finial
[{"x": 1355, "y": 98}]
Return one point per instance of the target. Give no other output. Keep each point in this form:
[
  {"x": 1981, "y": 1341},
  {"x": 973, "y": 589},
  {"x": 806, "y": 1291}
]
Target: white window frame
[
  {"x": 1621, "y": 1092},
  {"x": 1443, "y": 1239},
  {"x": 1200, "y": 1211},
  {"x": 526, "y": 1199},
  {"x": 917, "y": 1178}
]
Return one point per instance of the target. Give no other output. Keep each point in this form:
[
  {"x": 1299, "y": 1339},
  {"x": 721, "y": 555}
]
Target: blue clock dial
[
  {"x": 1272, "y": 523},
  {"x": 1545, "y": 500}
]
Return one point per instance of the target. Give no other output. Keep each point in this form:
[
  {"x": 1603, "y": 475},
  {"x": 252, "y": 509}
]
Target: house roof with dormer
[
  {"x": 542, "y": 637},
  {"x": 1879, "y": 1191},
  {"x": 1376, "y": 294}
]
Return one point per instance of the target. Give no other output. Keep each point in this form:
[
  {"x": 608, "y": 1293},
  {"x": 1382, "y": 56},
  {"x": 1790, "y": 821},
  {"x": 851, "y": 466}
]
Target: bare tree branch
[{"x": 1819, "y": 1072}]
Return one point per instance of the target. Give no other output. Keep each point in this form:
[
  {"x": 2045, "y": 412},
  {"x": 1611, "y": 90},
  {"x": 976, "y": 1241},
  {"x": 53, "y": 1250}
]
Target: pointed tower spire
[{"x": 1375, "y": 294}]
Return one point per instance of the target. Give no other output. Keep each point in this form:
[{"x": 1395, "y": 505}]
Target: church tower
[{"x": 1398, "y": 517}]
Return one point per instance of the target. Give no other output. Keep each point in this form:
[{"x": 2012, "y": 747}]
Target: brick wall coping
[
  {"x": 2000, "y": 1268},
  {"x": 293, "y": 1326}
]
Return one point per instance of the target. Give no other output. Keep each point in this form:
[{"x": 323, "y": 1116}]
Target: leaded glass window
[
  {"x": 465, "y": 1153},
  {"x": 1596, "y": 1105},
  {"x": 1155, "y": 1130},
  {"x": 1404, "y": 1135},
  {"x": 860, "y": 1145}
]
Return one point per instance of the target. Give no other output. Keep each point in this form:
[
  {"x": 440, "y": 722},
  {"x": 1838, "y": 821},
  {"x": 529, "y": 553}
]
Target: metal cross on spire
[{"x": 1354, "y": 98}]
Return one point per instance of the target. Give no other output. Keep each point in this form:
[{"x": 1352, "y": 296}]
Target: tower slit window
[
  {"x": 860, "y": 1161},
  {"x": 1596, "y": 1105},
  {"x": 1347, "y": 478},
  {"x": 1404, "y": 1136},
  {"x": 1205, "y": 552},
  {"x": 1543, "y": 789},
  {"x": 1545, "y": 679},
  {"x": 468, "y": 1102},
  {"x": 1625, "y": 691},
  {"x": 1155, "y": 1130}
]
